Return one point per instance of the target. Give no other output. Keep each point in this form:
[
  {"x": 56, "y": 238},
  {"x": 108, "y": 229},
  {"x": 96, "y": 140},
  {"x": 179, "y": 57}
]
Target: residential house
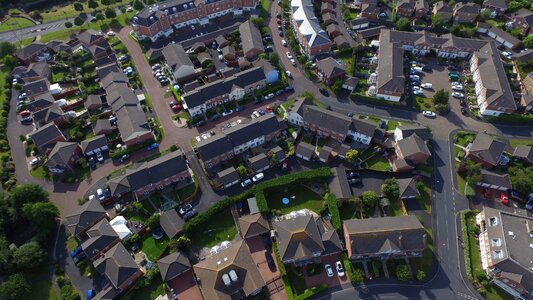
[
  {"x": 384, "y": 238},
  {"x": 350, "y": 83},
  {"x": 527, "y": 83},
  {"x": 412, "y": 150},
  {"x": 102, "y": 126},
  {"x": 359, "y": 23},
  {"x": 93, "y": 103},
  {"x": 294, "y": 114},
  {"x": 305, "y": 151},
  {"x": 444, "y": 10},
  {"x": 333, "y": 30},
  {"x": 338, "y": 184},
  {"x": 487, "y": 151},
  {"x": 370, "y": 11},
  {"x": 325, "y": 154},
  {"x": 34, "y": 52},
  {"x": 523, "y": 19},
  {"x": 152, "y": 175},
  {"x": 310, "y": 35},
  {"x": 327, "y": 7},
  {"x": 232, "y": 88},
  {"x": 358, "y": 3},
  {"x": 405, "y": 131},
  {"x": 466, "y": 12},
  {"x": 252, "y": 44},
  {"x": 505, "y": 246},
  {"x": 204, "y": 58},
  {"x": 87, "y": 215},
  {"x": 229, "y": 273},
  {"x": 46, "y": 137},
  {"x": 174, "y": 267},
  {"x": 40, "y": 102},
  {"x": 59, "y": 46},
  {"x": 51, "y": 114},
  {"x": 504, "y": 38},
  {"x": 369, "y": 33},
  {"x": 259, "y": 163},
  {"x": 35, "y": 71},
  {"x": 171, "y": 223},
  {"x": 253, "y": 225},
  {"x": 405, "y": 8},
  {"x": 238, "y": 139},
  {"x": 93, "y": 145},
  {"x": 90, "y": 38},
  {"x": 526, "y": 101},
  {"x": 120, "y": 269},
  {"x": 63, "y": 158},
  {"x": 408, "y": 188},
  {"x": 523, "y": 56},
  {"x": 279, "y": 154},
  {"x": 115, "y": 75},
  {"x": 160, "y": 20},
  {"x": 329, "y": 70},
  {"x": 271, "y": 72},
  {"x": 524, "y": 153},
  {"x": 35, "y": 88},
  {"x": 178, "y": 61},
  {"x": 497, "y": 7},
  {"x": 495, "y": 181},
  {"x": 390, "y": 77},
  {"x": 228, "y": 177},
  {"x": 329, "y": 18},
  {"x": 302, "y": 239},
  {"x": 101, "y": 238},
  {"x": 422, "y": 10}
]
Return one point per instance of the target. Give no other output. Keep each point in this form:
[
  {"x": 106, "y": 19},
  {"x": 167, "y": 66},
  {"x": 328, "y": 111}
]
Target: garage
[{"x": 96, "y": 144}]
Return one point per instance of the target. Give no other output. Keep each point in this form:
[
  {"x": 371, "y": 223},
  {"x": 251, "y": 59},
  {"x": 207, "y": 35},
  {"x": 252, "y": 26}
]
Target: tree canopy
[
  {"x": 370, "y": 199},
  {"x": 437, "y": 22},
  {"x": 521, "y": 179},
  {"x": 15, "y": 287},
  {"x": 28, "y": 256},
  {"x": 403, "y": 24},
  {"x": 27, "y": 193},
  {"x": 391, "y": 189},
  {"x": 528, "y": 41}
]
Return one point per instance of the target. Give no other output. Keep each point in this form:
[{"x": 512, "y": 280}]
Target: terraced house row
[
  {"x": 493, "y": 91},
  {"x": 312, "y": 38},
  {"x": 160, "y": 19}
]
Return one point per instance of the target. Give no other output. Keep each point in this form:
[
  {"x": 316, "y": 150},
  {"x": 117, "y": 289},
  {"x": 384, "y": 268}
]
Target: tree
[
  {"x": 28, "y": 256},
  {"x": 123, "y": 9},
  {"x": 358, "y": 275},
  {"x": 336, "y": 86},
  {"x": 528, "y": 41},
  {"x": 10, "y": 61},
  {"x": 110, "y": 13},
  {"x": 514, "y": 6},
  {"x": 273, "y": 58},
  {"x": 27, "y": 193},
  {"x": 242, "y": 171},
  {"x": 403, "y": 24},
  {"x": 521, "y": 179},
  {"x": 485, "y": 13},
  {"x": 391, "y": 189},
  {"x": 99, "y": 16},
  {"x": 77, "y": 6},
  {"x": 437, "y": 22},
  {"x": 42, "y": 215},
  {"x": 441, "y": 100},
  {"x": 402, "y": 273},
  {"x": 6, "y": 48},
  {"x": 15, "y": 287},
  {"x": 68, "y": 24},
  {"x": 351, "y": 155},
  {"x": 183, "y": 243},
  {"x": 473, "y": 172},
  {"x": 92, "y": 4},
  {"x": 138, "y": 5},
  {"x": 6, "y": 257},
  {"x": 78, "y": 21},
  {"x": 258, "y": 21},
  {"x": 370, "y": 199},
  {"x": 105, "y": 2},
  {"x": 455, "y": 29},
  {"x": 420, "y": 275}
]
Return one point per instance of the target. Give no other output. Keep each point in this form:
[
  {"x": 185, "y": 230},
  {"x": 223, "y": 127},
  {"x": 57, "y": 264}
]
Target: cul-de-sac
[{"x": 266, "y": 149}]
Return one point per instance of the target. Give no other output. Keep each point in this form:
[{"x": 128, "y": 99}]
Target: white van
[{"x": 426, "y": 85}]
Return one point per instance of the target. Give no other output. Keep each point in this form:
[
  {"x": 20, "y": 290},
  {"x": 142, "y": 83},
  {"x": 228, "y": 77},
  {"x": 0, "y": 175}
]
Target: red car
[
  {"x": 504, "y": 199},
  {"x": 176, "y": 107},
  {"x": 25, "y": 113},
  {"x": 268, "y": 109},
  {"x": 279, "y": 22}
]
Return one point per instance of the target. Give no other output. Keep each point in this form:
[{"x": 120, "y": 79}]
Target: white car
[
  {"x": 458, "y": 95},
  {"x": 414, "y": 77},
  {"x": 204, "y": 136},
  {"x": 255, "y": 115},
  {"x": 418, "y": 92},
  {"x": 269, "y": 96},
  {"x": 198, "y": 138},
  {"x": 99, "y": 156},
  {"x": 129, "y": 9},
  {"x": 329, "y": 270},
  {"x": 340, "y": 269},
  {"x": 293, "y": 62},
  {"x": 34, "y": 162},
  {"x": 156, "y": 66},
  {"x": 457, "y": 87},
  {"x": 289, "y": 74},
  {"x": 426, "y": 85},
  {"x": 284, "y": 43},
  {"x": 111, "y": 33},
  {"x": 100, "y": 194},
  {"x": 227, "y": 113},
  {"x": 289, "y": 55},
  {"x": 258, "y": 177},
  {"x": 429, "y": 114}
]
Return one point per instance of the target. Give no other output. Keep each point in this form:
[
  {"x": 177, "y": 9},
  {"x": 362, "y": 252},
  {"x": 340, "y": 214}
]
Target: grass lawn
[
  {"x": 265, "y": 4},
  {"x": 58, "y": 76},
  {"x": 463, "y": 138},
  {"x": 297, "y": 281},
  {"x": 39, "y": 172},
  {"x": 43, "y": 290},
  {"x": 424, "y": 263},
  {"x": 516, "y": 142},
  {"x": 71, "y": 244},
  {"x": 304, "y": 198},
  {"x": 25, "y": 42},
  {"x": 153, "y": 248},
  {"x": 424, "y": 201},
  {"x": 12, "y": 23},
  {"x": 422, "y": 103},
  {"x": 62, "y": 35},
  {"x": 475, "y": 256},
  {"x": 378, "y": 163},
  {"x": 395, "y": 208},
  {"x": 67, "y": 11},
  {"x": 187, "y": 191},
  {"x": 221, "y": 228},
  {"x": 150, "y": 292},
  {"x": 347, "y": 210},
  {"x": 391, "y": 125}
]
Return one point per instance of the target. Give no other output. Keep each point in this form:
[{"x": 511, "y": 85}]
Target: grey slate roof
[
  {"x": 409, "y": 130},
  {"x": 330, "y": 67},
  {"x": 407, "y": 188},
  {"x": 328, "y": 119},
  {"x": 305, "y": 149},
  {"x": 250, "y": 37},
  {"x": 175, "y": 56},
  {"x": 37, "y": 69},
  {"x": 524, "y": 152},
  {"x": 117, "y": 264},
  {"x": 363, "y": 126},
  {"x": 48, "y": 114},
  {"x": 93, "y": 100},
  {"x": 30, "y": 50},
  {"x": 36, "y": 87},
  {"x": 374, "y": 235},
  {"x": 338, "y": 184},
  {"x": 173, "y": 265},
  {"x": 487, "y": 148},
  {"x": 61, "y": 154},
  {"x": 132, "y": 123},
  {"x": 102, "y": 126},
  {"x": 501, "y": 180},
  {"x": 101, "y": 235},
  {"x": 390, "y": 67},
  {"x": 253, "y": 225},
  {"x": 325, "y": 153},
  {"x": 42, "y": 136},
  {"x": 443, "y": 7},
  {"x": 412, "y": 145},
  {"x": 298, "y": 238},
  {"x": 169, "y": 221},
  {"x": 496, "y": 3},
  {"x": 259, "y": 161},
  {"x": 470, "y": 8},
  {"x": 85, "y": 216},
  {"x": 96, "y": 142},
  {"x": 113, "y": 77},
  {"x": 228, "y": 175}
]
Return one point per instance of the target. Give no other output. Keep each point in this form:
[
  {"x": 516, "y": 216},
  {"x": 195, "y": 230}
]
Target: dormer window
[
  {"x": 493, "y": 221},
  {"x": 496, "y": 242}
]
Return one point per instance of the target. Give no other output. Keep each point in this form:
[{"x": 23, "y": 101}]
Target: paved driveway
[
  {"x": 323, "y": 277},
  {"x": 185, "y": 287}
]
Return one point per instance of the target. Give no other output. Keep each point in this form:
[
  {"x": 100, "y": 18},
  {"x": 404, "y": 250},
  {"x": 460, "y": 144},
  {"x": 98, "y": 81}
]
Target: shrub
[
  {"x": 333, "y": 206},
  {"x": 466, "y": 248},
  {"x": 308, "y": 293},
  {"x": 402, "y": 272},
  {"x": 420, "y": 275}
]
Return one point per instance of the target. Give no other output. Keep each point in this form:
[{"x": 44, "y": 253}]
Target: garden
[
  {"x": 14, "y": 22},
  {"x": 221, "y": 227},
  {"x": 300, "y": 197}
]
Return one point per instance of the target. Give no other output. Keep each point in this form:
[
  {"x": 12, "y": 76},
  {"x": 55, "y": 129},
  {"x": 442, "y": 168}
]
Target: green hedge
[
  {"x": 311, "y": 292},
  {"x": 333, "y": 207},
  {"x": 374, "y": 100},
  {"x": 119, "y": 153},
  {"x": 466, "y": 242},
  {"x": 282, "y": 272},
  {"x": 300, "y": 177},
  {"x": 198, "y": 221},
  {"x": 514, "y": 118}
]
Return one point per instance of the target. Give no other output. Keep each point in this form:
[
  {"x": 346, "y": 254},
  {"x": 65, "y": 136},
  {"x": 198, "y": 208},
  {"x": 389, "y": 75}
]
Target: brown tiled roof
[
  {"x": 252, "y": 225},
  {"x": 298, "y": 238},
  {"x": 173, "y": 265}
]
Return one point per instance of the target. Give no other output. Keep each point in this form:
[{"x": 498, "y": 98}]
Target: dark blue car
[
  {"x": 75, "y": 251},
  {"x": 152, "y": 147}
]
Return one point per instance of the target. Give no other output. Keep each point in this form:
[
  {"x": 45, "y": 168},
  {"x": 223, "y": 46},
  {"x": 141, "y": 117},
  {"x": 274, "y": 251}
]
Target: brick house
[
  {"x": 87, "y": 215},
  {"x": 34, "y": 52},
  {"x": 497, "y": 7},
  {"x": 465, "y": 12},
  {"x": 411, "y": 151},
  {"x": 63, "y": 158},
  {"x": 329, "y": 70},
  {"x": 444, "y": 10},
  {"x": 487, "y": 151},
  {"x": 405, "y": 8},
  {"x": 523, "y": 19},
  {"x": 313, "y": 39},
  {"x": 101, "y": 237}
]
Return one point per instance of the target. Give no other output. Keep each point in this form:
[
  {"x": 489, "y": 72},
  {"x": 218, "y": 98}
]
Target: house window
[
  {"x": 498, "y": 254},
  {"x": 493, "y": 221},
  {"x": 496, "y": 242}
]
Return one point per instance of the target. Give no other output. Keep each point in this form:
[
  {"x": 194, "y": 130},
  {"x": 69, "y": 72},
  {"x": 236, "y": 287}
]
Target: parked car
[
  {"x": 76, "y": 251},
  {"x": 418, "y": 92},
  {"x": 329, "y": 270},
  {"x": 353, "y": 175},
  {"x": 504, "y": 199},
  {"x": 354, "y": 181},
  {"x": 340, "y": 269},
  {"x": 239, "y": 108},
  {"x": 293, "y": 62},
  {"x": 269, "y": 96},
  {"x": 25, "y": 113},
  {"x": 79, "y": 258},
  {"x": 22, "y": 96},
  {"x": 124, "y": 158},
  {"x": 26, "y": 120},
  {"x": 323, "y": 91},
  {"x": 289, "y": 88},
  {"x": 34, "y": 162},
  {"x": 99, "y": 156},
  {"x": 258, "y": 177},
  {"x": 289, "y": 74},
  {"x": 200, "y": 123},
  {"x": 191, "y": 214},
  {"x": 184, "y": 209},
  {"x": 529, "y": 204},
  {"x": 270, "y": 260},
  {"x": 281, "y": 33},
  {"x": 152, "y": 147},
  {"x": 215, "y": 117},
  {"x": 289, "y": 55},
  {"x": 100, "y": 194},
  {"x": 429, "y": 114},
  {"x": 246, "y": 182},
  {"x": 458, "y": 95},
  {"x": 156, "y": 66},
  {"x": 426, "y": 85},
  {"x": 457, "y": 87},
  {"x": 227, "y": 112},
  {"x": 284, "y": 43},
  {"x": 464, "y": 111}
]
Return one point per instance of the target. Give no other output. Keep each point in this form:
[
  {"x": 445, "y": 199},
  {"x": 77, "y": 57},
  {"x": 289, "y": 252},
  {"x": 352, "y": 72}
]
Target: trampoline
[
  {"x": 168, "y": 205},
  {"x": 285, "y": 201},
  {"x": 158, "y": 233}
]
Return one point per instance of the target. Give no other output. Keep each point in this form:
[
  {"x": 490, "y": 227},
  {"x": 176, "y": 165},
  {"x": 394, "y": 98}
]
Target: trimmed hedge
[
  {"x": 282, "y": 272},
  {"x": 119, "y": 153},
  {"x": 373, "y": 100},
  {"x": 333, "y": 207},
  {"x": 311, "y": 292},
  {"x": 300, "y": 177},
  {"x": 466, "y": 242}
]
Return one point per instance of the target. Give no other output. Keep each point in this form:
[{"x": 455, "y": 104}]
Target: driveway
[
  {"x": 372, "y": 180},
  {"x": 323, "y": 277},
  {"x": 185, "y": 286}
]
